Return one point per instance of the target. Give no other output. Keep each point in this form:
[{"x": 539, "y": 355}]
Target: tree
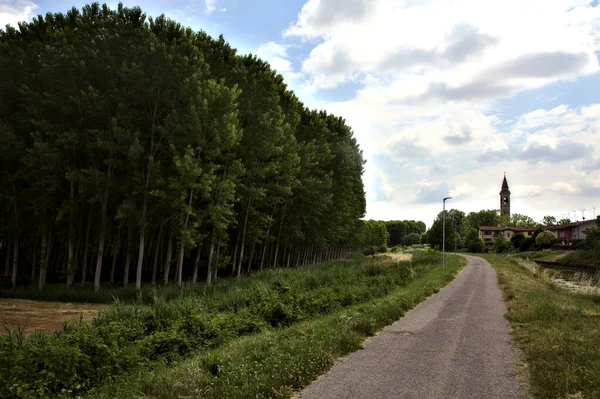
[
  {"x": 564, "y": 221},
  {"x": 473, "y": 242},
  {"x": 548, "y": 220},
  {"x": 501, "y": 244},
  {"x": 412, "y": 239},
  {"x": 517, "y": 240},
  {"x": 545, "y": 239}
]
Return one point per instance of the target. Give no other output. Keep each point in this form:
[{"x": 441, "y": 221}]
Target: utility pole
[
  {"x": 582, "y": 214},
  {"x": 444, "y": 232}
]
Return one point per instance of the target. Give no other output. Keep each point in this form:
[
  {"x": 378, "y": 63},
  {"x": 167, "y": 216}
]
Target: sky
[{"x": 444, "y": 97}]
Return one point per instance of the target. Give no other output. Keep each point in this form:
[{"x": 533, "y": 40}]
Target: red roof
[
  {"x": 500, "y": 228},
  {"x": 574, "y": 224}
]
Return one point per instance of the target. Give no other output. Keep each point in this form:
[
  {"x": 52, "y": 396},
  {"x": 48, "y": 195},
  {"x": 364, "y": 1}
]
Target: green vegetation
[
  {"x": 138, "y": 336},
  {"x": 583, "y": 257},
  {"x": 400, "y": 230},
  {"x": 278, "y": 362},
  {"x": 134, "y": 149},
  {"x": 556, "y": 330},
  {"x": 545, "y": 239}
]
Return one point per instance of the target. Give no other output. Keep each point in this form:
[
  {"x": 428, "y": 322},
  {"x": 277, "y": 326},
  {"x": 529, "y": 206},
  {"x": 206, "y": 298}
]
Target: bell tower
[{"x": 505, "y": 198}]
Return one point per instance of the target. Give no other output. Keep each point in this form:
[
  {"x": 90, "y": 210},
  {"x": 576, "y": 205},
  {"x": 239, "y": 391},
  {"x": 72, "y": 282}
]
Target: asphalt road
[{"x": 456, "y": 344}]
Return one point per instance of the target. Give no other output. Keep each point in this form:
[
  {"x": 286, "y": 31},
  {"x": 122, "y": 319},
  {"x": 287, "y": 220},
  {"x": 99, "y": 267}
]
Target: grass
[
  {"x": 143, "y": 336},
  {"x": 583, "y": 257},
  {"x": 276, "y": 363},
  {"x": 557, "y": 330},
  {"x": 540, "y": 255}
]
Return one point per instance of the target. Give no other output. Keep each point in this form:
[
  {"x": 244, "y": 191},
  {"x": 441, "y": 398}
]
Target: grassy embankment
[
  {"x": 261, "y": 336},
  {"x": 580, "y": 257},
  {"x": 557, "y": 330}
]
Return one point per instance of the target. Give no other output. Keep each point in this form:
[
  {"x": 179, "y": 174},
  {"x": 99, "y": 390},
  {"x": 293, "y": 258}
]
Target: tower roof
[{"x": 504, "y": 184}]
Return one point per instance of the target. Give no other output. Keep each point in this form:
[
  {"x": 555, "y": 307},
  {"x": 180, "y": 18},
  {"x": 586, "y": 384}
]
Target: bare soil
[{"x": 44, "y": 316}]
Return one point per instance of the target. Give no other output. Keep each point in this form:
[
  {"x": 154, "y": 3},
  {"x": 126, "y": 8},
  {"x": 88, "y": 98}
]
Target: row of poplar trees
[{"x": 134, "y": 146}]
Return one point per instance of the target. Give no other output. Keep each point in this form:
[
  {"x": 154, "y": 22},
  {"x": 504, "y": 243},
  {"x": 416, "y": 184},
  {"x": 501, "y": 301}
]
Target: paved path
[{"x": 454, "y": 345}]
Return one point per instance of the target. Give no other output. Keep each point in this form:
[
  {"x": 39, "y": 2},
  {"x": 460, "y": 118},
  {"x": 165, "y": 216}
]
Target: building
[
  {"x": 573, "y": 231},
  {"x": 489, "y": 233},
  {"x": 505, "y": 198}
]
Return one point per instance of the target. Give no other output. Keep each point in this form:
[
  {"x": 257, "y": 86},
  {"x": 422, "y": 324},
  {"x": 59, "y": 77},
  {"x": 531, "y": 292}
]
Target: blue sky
[{"x": 443, "y": 96}]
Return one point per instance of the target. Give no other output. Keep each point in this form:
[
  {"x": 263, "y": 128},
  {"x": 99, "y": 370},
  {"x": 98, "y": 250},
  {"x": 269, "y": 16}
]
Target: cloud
[
  {"x": 277, "y": 56},
  {"x": 540, "y": 149},
  {"x": 464, "y": 137},
  {"x": 317, "y": 16},
  {"x": 382, "y": 189},
  {"x": 464, "y": 41},
  {"x": 431, "y": 192},
  {"x": 408, "y": 149},
  {"x": 15, "y": 11}
]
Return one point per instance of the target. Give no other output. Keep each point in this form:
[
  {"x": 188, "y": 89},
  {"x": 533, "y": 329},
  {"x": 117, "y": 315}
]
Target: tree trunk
[
  {"x": 168, "y": 257},
  {"x": 216, "y": 268},
  {"x": 33, "y": 262},
  {"x": 243, "y": 238},
  {"x": 42, "y": 280},
  {"x": 251, "y": 256},
  {"x": 115, "y": 252},
  {"x": 235, "y": 252},
  {"x": 196, "y": 262},
  {"x": 279, "y": 234},
  {"x": 86, "y": 248},
  {"x": 211, "y": 251},
  {"x": 289, "y": 257},
  {"x": 7, "y": 264},
  {"x": 15, "y": 263},
  {"x": 138, "y": 271},
  {"x": 158, "y": 243},
  {"x": 127, "y": 257},
  {"x": 70, "y": 268},
  {"x": 180, "y": 264}
]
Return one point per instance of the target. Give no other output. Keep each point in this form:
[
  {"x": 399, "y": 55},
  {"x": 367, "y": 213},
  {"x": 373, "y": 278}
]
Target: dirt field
[{"x": 44, "y": 316}]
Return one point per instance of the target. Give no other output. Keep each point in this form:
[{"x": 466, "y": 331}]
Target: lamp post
[{"x": 444, "y": 232}]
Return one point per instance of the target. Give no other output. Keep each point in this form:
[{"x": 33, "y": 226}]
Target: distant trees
[
  {"x": 400, "y": 229},
  {"x": 134, "y": 149},
  {"x": 548, "y": 220}
]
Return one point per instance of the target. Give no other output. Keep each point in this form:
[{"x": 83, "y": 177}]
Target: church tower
[{"x": 505, "y": 198}]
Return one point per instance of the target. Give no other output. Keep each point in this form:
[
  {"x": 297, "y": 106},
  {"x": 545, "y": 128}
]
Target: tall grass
[
  {"x": 159, "y": 329},
  {"x": 556, "y": 329}
]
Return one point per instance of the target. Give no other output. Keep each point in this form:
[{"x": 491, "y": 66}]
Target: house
[
  {"x": 489, "y": 233},
  {"x": 572, "y": 231}
]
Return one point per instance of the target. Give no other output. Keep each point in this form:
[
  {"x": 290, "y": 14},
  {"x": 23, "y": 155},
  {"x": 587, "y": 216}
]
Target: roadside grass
[
  {"x": 581, "y": 257},
  {"x": 539, "y": 255},
  {"x": 557, "y": 330},
  {"x": 276, "y": 363},
  {"x": 143, "y": 336}
]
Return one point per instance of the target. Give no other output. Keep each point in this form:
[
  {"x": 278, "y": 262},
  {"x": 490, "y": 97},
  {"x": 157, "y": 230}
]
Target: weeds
[
  {"x": 143, "y": 333},
  {"x": 556, "y": 329}
]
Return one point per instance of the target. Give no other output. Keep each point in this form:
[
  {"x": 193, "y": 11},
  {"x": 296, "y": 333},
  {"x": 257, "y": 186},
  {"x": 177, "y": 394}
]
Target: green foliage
[
  {"x": 412, "y": 239},
  {"x": 556, "y": 329},
  {"x": 545, "y": 238},
  {"x": 473, "y": 242},
  {"x": 400, "y": 229},
  {"x": 278, "y": 363},
  {"x": 130, "y": 335},
  {"x": 501, "y": 244},
  {"x": 125, "y": 136},
  {"x": 517, "y": 240}
]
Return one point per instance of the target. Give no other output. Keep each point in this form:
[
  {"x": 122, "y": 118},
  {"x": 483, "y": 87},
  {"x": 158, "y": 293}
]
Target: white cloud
[
  {"x": 15, "y": 11},
  {"x": 431, "y": 74},
  {"x": 277, "y": 56},
  {"x": 464, "y": 49}
]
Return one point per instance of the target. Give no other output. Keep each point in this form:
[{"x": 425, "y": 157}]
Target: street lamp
[{"x": 444, "y": 232}]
